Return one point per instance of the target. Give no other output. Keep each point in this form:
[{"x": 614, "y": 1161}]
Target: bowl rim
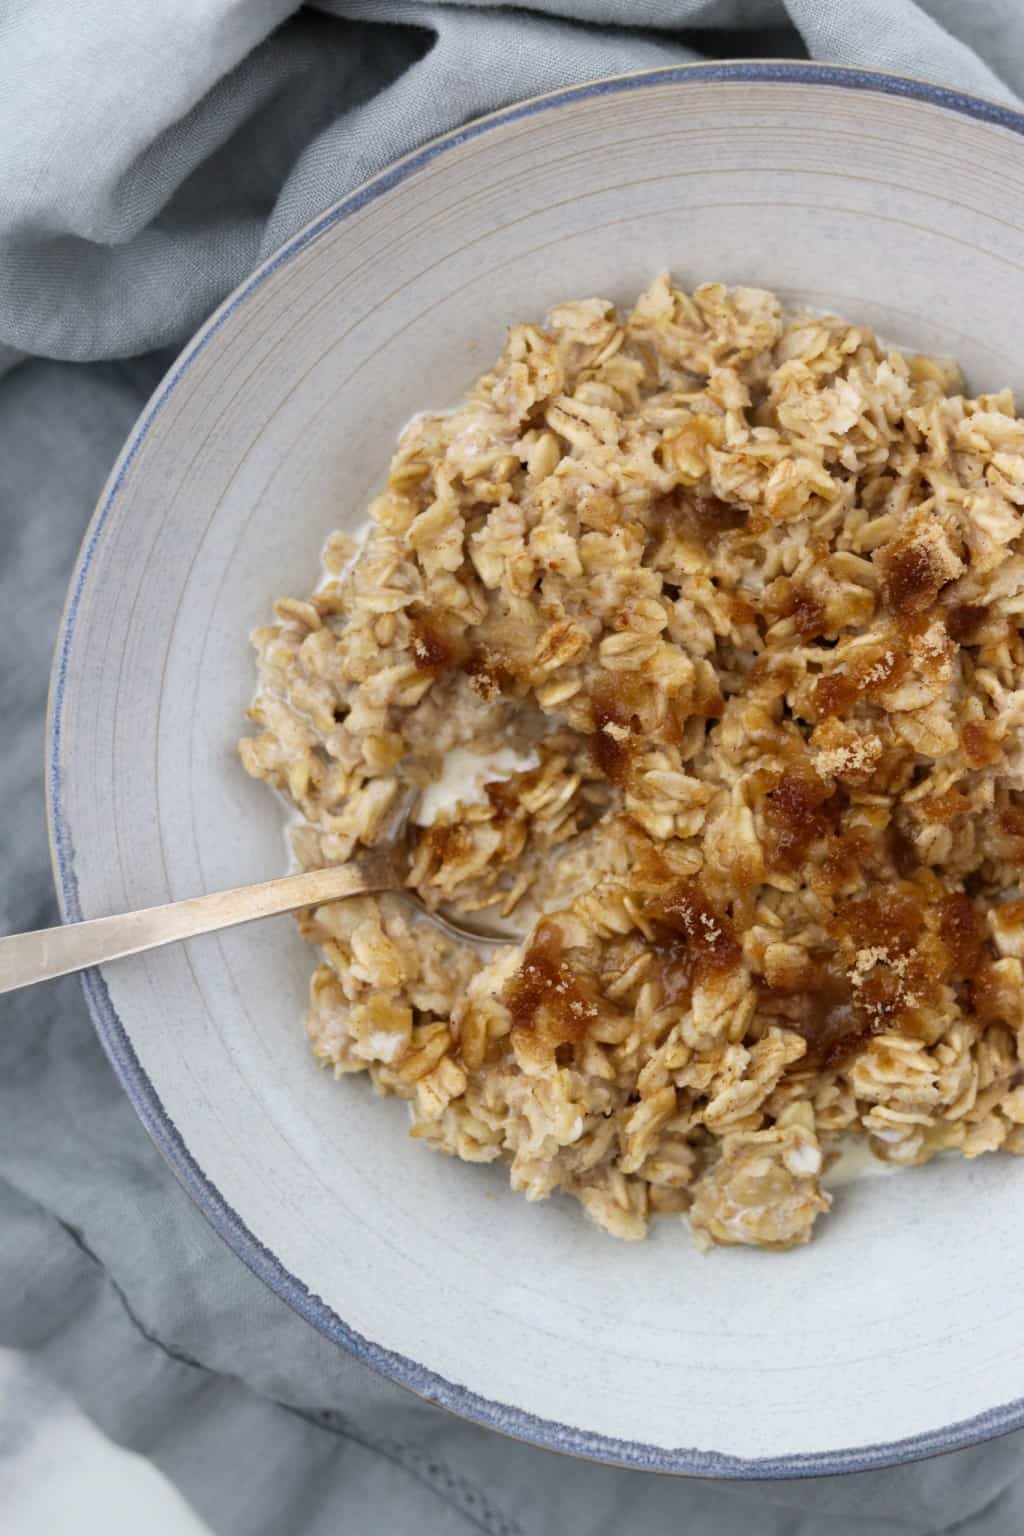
[{"x": 520, "y": 1424}]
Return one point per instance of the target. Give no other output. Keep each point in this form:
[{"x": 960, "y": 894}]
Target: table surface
[{"x": 58, "y": 1472}]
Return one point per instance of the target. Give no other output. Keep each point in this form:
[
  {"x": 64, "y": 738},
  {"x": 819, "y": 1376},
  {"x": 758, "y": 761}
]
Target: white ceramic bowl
[{"x": 899, "y": 1330}]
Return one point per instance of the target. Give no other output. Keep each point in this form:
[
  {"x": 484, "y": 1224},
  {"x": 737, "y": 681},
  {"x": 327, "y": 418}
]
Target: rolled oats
[{"x": 747, "y": 589}]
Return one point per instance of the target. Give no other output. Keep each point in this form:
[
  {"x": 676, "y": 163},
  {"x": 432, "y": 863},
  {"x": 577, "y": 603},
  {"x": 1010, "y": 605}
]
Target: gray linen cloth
[{"x": 149, "y": 155}]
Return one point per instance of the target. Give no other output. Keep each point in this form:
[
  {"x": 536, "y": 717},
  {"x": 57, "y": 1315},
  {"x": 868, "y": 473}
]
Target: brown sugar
[
  {"x": 799, "y": 809},
  {"x": 694, "y": 937},
  {"x": 964, "y": 620},
  {"x": 980, "y": 743},
  {"x": 914, "y": 573},
  {"x": 703, "y": 516},
  {"x": 962, "y": 931},
  {"x": 434, "y": 641},
  {"x": 826, "y": 1015},
  {"x": 544, "y": 997},
  {"x": 837, "y": 692}
]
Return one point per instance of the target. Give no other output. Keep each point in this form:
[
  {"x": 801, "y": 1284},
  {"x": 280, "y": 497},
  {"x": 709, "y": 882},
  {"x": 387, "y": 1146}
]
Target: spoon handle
[{"x": 26, "y": 958}]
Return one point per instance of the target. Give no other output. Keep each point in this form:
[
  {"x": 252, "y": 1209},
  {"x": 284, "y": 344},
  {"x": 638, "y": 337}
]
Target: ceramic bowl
[{"x": 900, "y": 1330}]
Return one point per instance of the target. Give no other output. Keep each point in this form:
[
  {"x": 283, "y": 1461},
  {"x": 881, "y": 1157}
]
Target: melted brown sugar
[
  {"x": 837, "y": 692},
  {"x": 624, "y": 721},
  {"x": 617, "y": 728},
  {"x": 694, "y": 939},
  {"x": 436, "y": 643},
  {"x": 886, "y": 969},
  {"x": 799, "y": 809},
  {"x": 788, "y": 600},
  {"x": 912, "y": 578},
  {"x": 980, "y": 744},
  {"x": 964, "y": 621},
  {"x": 1011, "y": 820},
  {"x": 962, "y": 931},
  {"x": 825, "y": 1014},
  {"x": 700, "y": 516},
  {"x": 548, "y": 1002}
]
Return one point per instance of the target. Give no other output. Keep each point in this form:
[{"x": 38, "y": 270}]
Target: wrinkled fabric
[{"x": 149, "y": 156}]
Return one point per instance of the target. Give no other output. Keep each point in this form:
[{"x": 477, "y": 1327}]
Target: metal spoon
[{"x": 26, "y": 958}]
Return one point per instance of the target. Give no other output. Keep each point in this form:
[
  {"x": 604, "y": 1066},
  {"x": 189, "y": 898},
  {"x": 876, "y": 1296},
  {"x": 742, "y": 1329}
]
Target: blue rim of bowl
[{"x": 545, "y": 1433}]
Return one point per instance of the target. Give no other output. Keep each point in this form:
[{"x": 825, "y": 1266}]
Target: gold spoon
[{"x": 26, "y": 958}]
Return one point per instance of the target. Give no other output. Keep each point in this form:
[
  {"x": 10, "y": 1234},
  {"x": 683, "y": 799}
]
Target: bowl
[{"x": 899, "y": 1331}]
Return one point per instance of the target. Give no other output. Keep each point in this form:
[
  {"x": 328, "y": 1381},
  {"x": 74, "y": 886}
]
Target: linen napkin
[{"x": 149, "y": 156}]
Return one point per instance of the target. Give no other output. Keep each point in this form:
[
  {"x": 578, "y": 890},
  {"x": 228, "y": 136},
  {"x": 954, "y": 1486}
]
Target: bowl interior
[{"x": 277, "y": 427}]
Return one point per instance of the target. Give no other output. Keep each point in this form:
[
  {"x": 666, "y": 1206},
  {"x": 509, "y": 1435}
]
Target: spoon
[{"x": 26, "y": 958}]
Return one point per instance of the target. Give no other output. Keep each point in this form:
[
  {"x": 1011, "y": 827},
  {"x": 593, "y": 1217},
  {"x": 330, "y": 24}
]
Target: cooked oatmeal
[{"x": 743, "y": 590}]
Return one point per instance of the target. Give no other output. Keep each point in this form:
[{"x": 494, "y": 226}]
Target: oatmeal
[{"x": 733, "y": 598}]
